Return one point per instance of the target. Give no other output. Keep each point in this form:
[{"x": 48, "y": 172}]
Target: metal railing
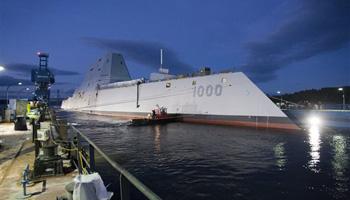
[{"x": 87, "y": 161}]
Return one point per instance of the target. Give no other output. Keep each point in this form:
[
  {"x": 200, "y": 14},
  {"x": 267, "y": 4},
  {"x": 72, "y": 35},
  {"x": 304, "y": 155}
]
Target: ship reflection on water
[
  {"x": 191, "y": 161},
  {"x": 157, "y": 138}
]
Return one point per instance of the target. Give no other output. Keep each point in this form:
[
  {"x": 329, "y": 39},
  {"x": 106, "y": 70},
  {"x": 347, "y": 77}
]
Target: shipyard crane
[{"x": 43, "y": 78}]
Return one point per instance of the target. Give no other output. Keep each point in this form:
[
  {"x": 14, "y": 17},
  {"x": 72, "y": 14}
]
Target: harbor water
[{"x": 193, "y": 161}]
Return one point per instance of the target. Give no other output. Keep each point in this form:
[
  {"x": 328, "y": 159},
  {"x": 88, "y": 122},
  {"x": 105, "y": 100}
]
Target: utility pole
[
  {"x": 342, "y": 90},
  {"x": 279, "y": 93}
]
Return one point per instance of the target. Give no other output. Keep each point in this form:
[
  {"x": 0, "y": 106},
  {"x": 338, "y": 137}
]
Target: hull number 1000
[{"x": 208, "y": 91}]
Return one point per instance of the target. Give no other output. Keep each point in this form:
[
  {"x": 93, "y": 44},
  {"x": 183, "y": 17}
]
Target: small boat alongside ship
[
  {"x": 158, "y": 116},
  {"x": 228, "y": 98}
]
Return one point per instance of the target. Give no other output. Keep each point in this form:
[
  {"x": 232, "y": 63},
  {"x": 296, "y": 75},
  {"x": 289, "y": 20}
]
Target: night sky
[{"x": 280, "y": 45}]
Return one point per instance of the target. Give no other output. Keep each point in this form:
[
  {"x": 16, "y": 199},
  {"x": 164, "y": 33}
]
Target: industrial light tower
[
  {"x": 342, "y": 90},
  {"x": 279, "y": 93},
  {"x": 42, "y": 78}
]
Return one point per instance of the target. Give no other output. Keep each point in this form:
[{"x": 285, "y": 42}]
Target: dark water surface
[{"x": 191, "y": 161}]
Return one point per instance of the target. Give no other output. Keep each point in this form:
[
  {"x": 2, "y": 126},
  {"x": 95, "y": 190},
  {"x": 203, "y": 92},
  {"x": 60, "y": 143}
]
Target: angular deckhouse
[{"x": 223, "y": 98}]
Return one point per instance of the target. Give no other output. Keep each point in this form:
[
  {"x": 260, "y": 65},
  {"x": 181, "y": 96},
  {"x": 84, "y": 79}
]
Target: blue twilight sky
[{"x": 282, "y": 45}]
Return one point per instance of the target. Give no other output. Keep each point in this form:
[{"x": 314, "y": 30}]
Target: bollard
[
  {"x": 20, "y": 123},
  {"x": 62, "y": 129}
]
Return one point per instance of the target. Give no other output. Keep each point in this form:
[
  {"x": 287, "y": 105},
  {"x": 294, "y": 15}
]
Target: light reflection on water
[
  {"x": 340, "y": 163},
  {"x": 189, "y": 161},
  {"x": 280, "y": 155},
  {"x": 315, "y": 145}
]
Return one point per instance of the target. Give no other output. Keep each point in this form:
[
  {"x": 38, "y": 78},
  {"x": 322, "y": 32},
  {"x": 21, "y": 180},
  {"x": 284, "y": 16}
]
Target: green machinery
[{"x": 47, "y": 161}]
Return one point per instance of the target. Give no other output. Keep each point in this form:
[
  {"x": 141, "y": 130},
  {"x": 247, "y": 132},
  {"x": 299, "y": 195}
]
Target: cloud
[
  {"x": 22, "y": 68},
  {"x": 9, "y": 80},
  {"x": 142, "y": 52},
  {"x": 319, "y": 27}
]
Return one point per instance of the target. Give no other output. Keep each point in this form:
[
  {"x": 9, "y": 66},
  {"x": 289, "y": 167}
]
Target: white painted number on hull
[{"x": 208, "y": 91}]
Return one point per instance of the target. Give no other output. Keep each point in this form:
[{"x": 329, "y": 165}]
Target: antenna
[
  {"x": 161, "y": 58},
  {"x": 161, "y": 69}
]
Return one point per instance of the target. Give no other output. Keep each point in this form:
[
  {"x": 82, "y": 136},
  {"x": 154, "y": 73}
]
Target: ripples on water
[{"x": 190, "y": 161}]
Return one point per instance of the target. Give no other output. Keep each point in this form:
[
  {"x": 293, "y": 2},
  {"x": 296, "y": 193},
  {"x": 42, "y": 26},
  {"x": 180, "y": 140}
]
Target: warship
[{"x": 229, "y": 98}]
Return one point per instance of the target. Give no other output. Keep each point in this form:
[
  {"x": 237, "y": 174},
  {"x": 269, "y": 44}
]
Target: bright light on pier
[{"x": 314, "y": 121}]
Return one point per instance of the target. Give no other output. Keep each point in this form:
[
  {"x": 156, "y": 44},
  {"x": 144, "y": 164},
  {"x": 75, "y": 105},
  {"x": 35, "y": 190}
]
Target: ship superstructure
[{"x": 223, "y": 98}]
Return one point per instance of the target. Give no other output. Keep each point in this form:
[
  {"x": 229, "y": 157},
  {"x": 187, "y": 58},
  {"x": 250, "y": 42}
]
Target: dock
[
  {"x": 15, "y": 159},
  {"x": 27, "y": 173},
  {"x": 52, "y": 159}
]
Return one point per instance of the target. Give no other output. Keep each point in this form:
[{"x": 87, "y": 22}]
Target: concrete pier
[{"x": 17, "y": 152}]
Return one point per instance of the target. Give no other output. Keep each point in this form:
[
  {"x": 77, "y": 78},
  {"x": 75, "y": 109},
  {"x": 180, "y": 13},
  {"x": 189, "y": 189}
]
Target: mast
[
  {"x": 161, "y": 69},
  {"x": 161, "y": 59}
]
